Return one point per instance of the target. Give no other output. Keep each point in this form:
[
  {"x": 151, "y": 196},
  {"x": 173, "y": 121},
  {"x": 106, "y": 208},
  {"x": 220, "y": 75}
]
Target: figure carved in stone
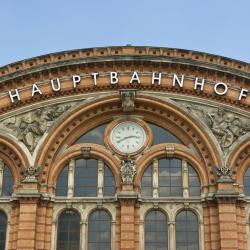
[
  {"x": 30, "y": 127},
  {"x": 128, "y": 170},
  {"x": 128, "y": 99},
  {"x": 30, "y": 173},
  {"x": 227, "y": 127}
]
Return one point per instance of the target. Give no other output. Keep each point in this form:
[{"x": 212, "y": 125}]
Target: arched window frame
[
  {"x": 84, "y": 212},
  {"x": 3, "y": 166}
]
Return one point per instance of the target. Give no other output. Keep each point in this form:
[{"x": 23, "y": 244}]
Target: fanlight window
[
  {"x": 87, "y": 178},
  {"x": 247, "y": 182},
  {"x": 170, "y": 177},
  {"x": 99, "y": 231},
  {"x": 7, "y": 181},
  {"x": 187, "y": 231},
  {"x": 68, "y": 232},
  {"x": 156, "y": 230},
  {"x": 95, "y": 135}
]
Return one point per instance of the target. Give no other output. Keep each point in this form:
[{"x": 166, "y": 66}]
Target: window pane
[
  {"x": 194, "y": 182},
  {"x": 86, "y": 177},
  {"x": 62, "y": 182},
  {"x": 187, "y": 234},
  {"x": 247, "y": 182},
  {"x": 109, "y": 182},
  {"x": 146, "y": 184},
  {"x": 68, "y": 232},
  {"x": 99, "y": 230},
  {"x": 3, "y": 223},
  {"x": 161, "y": 135},
  {"x": 170, "y": 177},
  {"x": 156, "y": 231},
  {"x": 8, "y": 182},
  {"x": 93, "y": 136}
]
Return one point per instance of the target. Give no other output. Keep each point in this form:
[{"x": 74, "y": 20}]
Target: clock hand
[{"x": 127, "y": 137}]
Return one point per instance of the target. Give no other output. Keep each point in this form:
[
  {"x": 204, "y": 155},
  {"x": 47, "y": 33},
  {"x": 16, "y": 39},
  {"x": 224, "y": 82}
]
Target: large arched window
[
  {"x": 3, "y": 229},
  {"x": 170, "y": 177},
  {"x": 99, "y": 230},
  {"x": 156, "y": 231},
  {"x": 68, "y": 231},
  {"x": 247, "y": 182},
  {"x": 187, "y": 231},
  {"x": 86, "y": 178}
]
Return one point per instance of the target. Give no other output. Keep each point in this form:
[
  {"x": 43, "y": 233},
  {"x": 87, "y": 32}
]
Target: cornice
[{"x": 125, "y": 53}]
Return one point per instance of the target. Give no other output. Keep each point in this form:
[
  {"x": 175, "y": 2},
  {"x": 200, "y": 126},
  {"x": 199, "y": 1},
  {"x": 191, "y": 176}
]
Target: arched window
[
  {"x": 171, "y": 177},
  {"x": 68, "y": 232},
  {"x": 62, "y": 182},
  {"x": 3, "y": 229},
  {"x": 187, "y": 234},
  {"x": 109, "y": 182},
  {"x": 8, "y": 181},
  {"x": 156, "y": 231},
  {"x": 99, "y": 231},
  {"x": 247, "y": 182}
]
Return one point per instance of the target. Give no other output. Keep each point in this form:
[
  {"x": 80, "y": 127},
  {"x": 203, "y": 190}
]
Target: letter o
[{"x": 219, "y": 85}]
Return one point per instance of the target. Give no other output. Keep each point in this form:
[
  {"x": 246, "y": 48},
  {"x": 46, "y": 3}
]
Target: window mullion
[
  {"x": 185, "y": 179},
  {"x": 71, "y": 179},
  {"x": 100, "y": 183},
  {"x": 155, "y": 178},
  {"x": 1, "y": 176}
]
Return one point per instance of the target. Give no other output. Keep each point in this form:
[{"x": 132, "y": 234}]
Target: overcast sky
[{"x": 34, "y": 27}]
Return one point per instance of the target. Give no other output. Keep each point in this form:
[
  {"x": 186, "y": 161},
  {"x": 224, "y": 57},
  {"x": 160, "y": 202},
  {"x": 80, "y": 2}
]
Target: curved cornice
[{"x": 125, "y": 53}]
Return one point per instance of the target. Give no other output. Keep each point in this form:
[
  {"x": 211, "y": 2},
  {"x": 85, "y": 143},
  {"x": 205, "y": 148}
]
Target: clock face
[{"x": 128, "y": 137}]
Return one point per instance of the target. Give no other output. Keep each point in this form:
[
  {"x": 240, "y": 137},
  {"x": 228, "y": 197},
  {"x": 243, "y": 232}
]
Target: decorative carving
[
  {"x": 170, "y": 151},
  {"x": 1, "y": 165},
  {"x": 128, "y": 170},
  {"x": 128, "y": 99},
  {"x": 86, "y": 152},
  {"x": 223, "y": 172},
  {"x": 30, "y": 173},
  {"x": 226, "y": 126},
  {"x": 30, "y": 127}
]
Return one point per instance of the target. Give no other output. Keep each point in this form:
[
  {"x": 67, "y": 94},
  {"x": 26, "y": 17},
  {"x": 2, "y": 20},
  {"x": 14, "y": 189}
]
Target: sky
[{"x": 30, "y": 28}]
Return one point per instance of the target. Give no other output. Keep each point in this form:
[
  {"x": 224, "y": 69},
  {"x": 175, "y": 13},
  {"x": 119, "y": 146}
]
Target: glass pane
[
  {"x": 93, "y": 136},
  {"x": 156, "y": 231},
  {"x": 194, "y": 182},
  {"x": 170, "y": 177},
  {"x": 161, "y": 135},
  {"x": 68, "y": 232},
  {"x": 146, "y": 184},
  {"x": 99, "y": 230},
  {"x": 3, "y": 223},
  {"x": 86, "y": 177},
  {"x": 8, "y": 182},
  {"x": 247, "y": 182},
  {"x": 109, "y": 182},
  {"x": 187, "y": 234},
  {"x": 62, "y": 182}
]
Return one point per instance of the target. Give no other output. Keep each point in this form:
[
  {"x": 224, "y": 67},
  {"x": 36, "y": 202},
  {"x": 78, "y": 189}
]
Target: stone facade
[{"x": 57, "y": 98}]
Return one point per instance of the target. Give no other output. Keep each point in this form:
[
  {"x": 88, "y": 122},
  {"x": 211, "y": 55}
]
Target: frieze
[
  {"x": 29, "y": 127},
  {"x": 226, "y": 126}
]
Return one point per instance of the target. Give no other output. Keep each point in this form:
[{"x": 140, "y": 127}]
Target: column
[
  {"x": 185, "y": 179},
  {"x": 155, "y": 179},
  {"x": 100, "y": 178},
  {"x": 1, "y": 175},
  {"x": 71, "y": 179},
  {"x": 171, "y": 238}
]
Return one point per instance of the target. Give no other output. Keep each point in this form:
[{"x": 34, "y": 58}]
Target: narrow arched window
[
  {"x": 3, "y": 229},
  {"x": 8, "y": 182},
  {"x": 86, "y": 174},
  {"x": 156, "y": 231},
  {"x": 99, "y": 231},
  {"x": 68, "y": 231},
  {"x": 62, "y": 182},
  {"x": 170, "y": 177},
  {"x": 247, "y": 182},
  {"x": 146, "y": 183},
  {"x": 193, "y": 182},
  {"x": 109, "y": 182},
  {"x": 187, "y": 231}
]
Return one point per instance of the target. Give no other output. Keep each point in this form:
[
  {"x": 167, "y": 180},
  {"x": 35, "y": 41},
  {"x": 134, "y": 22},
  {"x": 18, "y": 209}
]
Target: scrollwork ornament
[{"x": 127, "y": 170}]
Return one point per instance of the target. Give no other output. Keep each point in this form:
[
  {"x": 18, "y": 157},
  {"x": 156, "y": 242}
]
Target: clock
[{"x": 128, "y": 137}]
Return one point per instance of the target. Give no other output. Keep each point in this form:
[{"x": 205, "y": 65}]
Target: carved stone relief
[
  {"x": 227, "y": 126},
  {"x": 127, "y": 170},
  {"x": 31, "y": 126}
]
